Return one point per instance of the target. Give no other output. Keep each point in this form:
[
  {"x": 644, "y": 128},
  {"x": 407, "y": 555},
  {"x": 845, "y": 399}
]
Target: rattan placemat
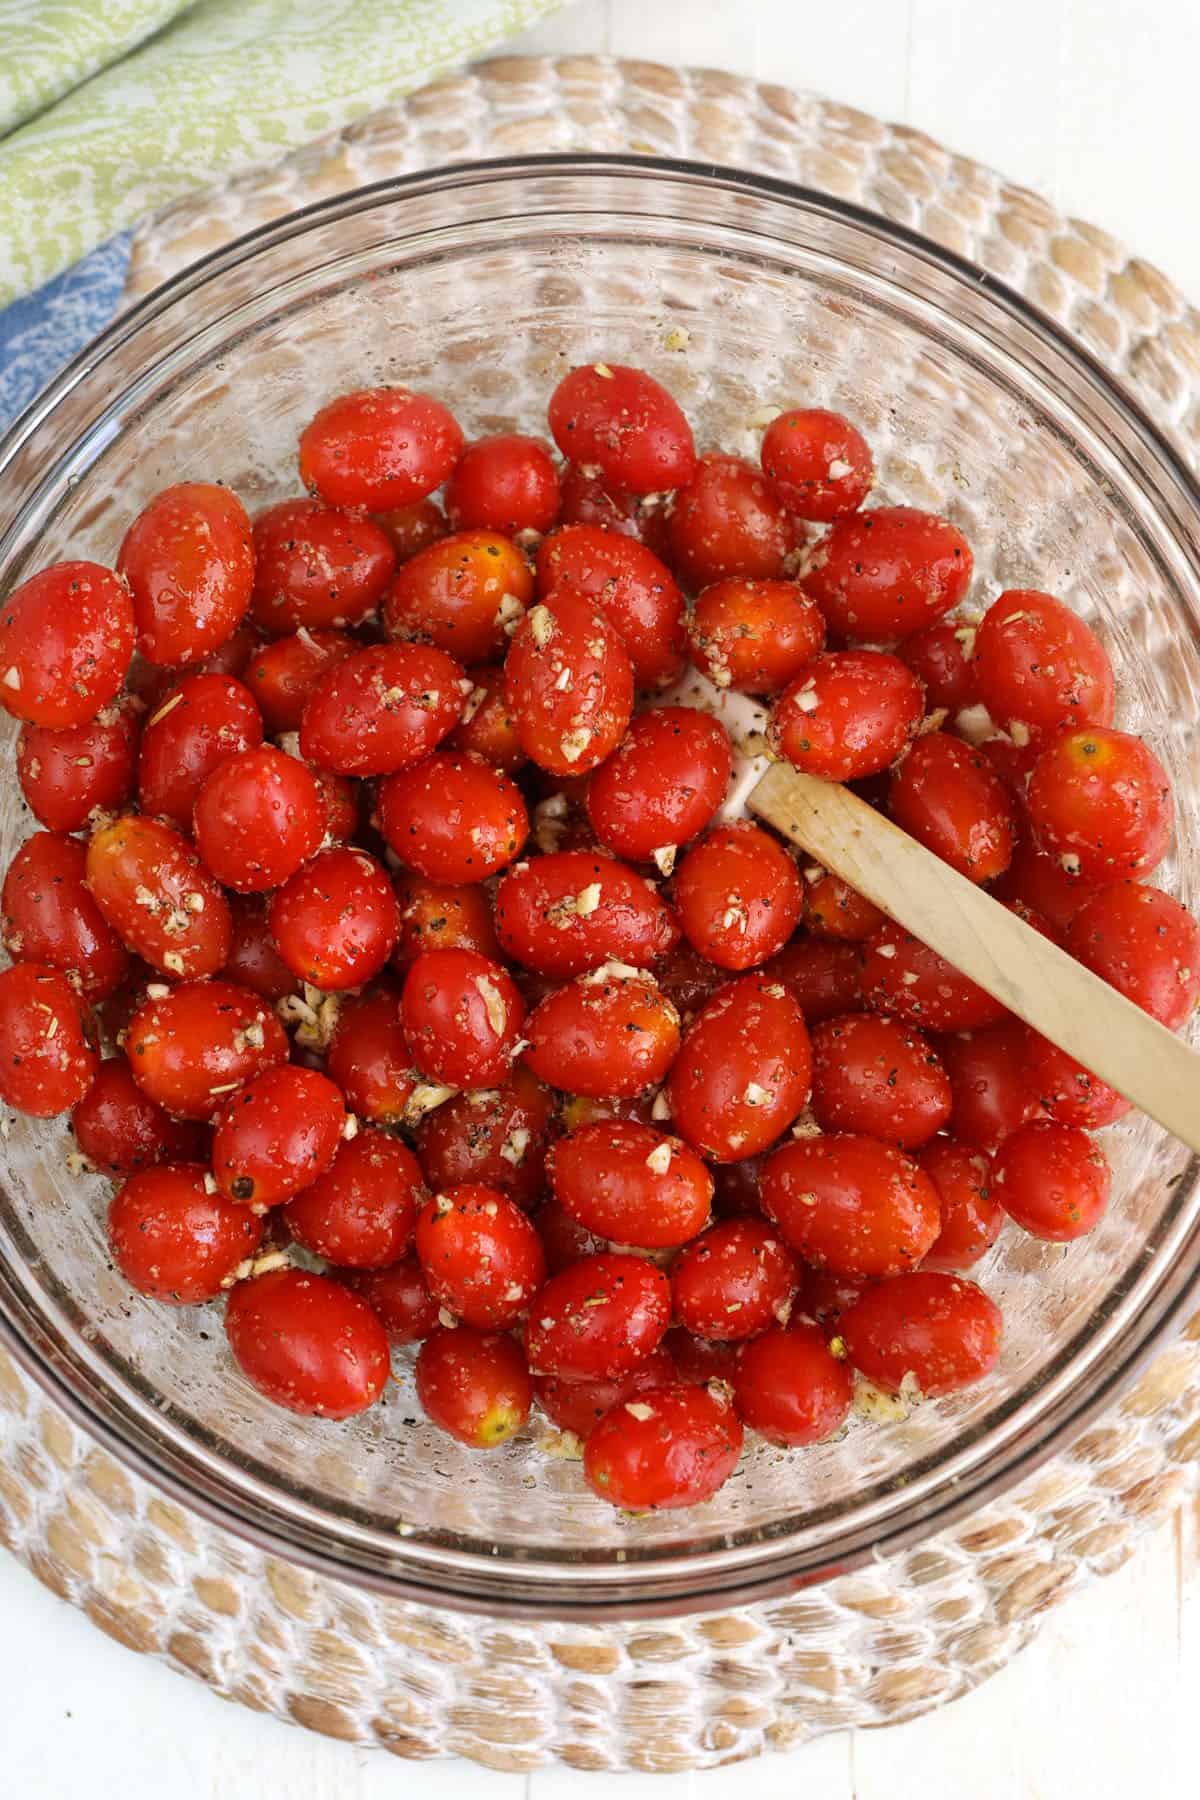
[{"x": 870, "y": 1648}]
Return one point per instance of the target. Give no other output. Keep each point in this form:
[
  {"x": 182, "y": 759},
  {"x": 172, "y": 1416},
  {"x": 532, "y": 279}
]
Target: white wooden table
[{"x": 1093, "y": 102}]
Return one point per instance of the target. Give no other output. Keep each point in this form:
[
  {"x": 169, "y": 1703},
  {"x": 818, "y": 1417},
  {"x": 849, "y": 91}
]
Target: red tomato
[
  {"x": 992, "y": 1082},
  {"x": 739, "y": 896},
  {"x": 569, "y": 683},
  {"x": 564, "y": 1240},
  {"x": 379, "y": 447},
  {"x": 888, "y": 572},
  {"x": 66, "y": 637},
  {"x": 258, "y": 818},
  {"x": 369, "y": 1057},
  {"x": 851, "y": 1204},
  {"x": 47, "y": 1063},
  {"x": 824, "y": 977},
  {"x": 939, "y": 655},
  {"x": 610, "y": 1033},
  {"x": 441, "y": 916},
  {"x": 849, "y": 714},
  {"x": 1039, "y": 665},
  {"x": 406, "y": 1308},
  {"x": 316, "y": 566},
  {"x": 903, "y": 976},
  {"x": 688, "y": 979},
  {"x": 729, "y": 522},
  {"x": 488, "y": 728},
  {"x": 565, "y": 913},
  {"x": 119, "y": 1130},
  {"x": 734, "y": 1281},
  {"x": 833, "y": 909},
  {"x": 335, "y": 921},
  {"x": 598, "y": 1318},
  {"x": 1141, "y": 941},
  {"x": 674, "y": 1446},
  {"x": 790, "y": 1388},
  {"x": 253, "y": 961},
  {"x": 339, "y": 800},
  {"x": 361, "y": 1210},
  {"x": 1066, "y": 1090},
  {"x": 626, "y": 424},
  {"x": 308, "y": 1343},
  {"x": 631, "y": 1184},
  {"x": 630, "y": 586},
  {"x": 174, "y": 1239},
  {"x": 466, "y": 594},
  {"x": 1040, "y": 881},
  {"x": 412, "y": 528},
  {"x": 825, "y": 1297},
  {"x": 878, "y": 1077},
  {"x": 204, "y": 721},
  {"x": 69, "y": 777},
  {"x": 276, "y": 1135},
  {"x": 453, "y": 819},
  {"x": 1100, "y": 801},
  {"x": 495, "y": 1136},
  {"x": 742, "y": 1074},
  {"x": 474, "y": 1384},
  {"x": 50, "y": 917},
  {"x": 282, "y": 675},
  {"x": 818, "y": 462},
  {"x": 188, "y": 558},
  {"x": 462, "y": 1017},
  {"x": 946, "y": 795},
  {"x": 700, "y": 1359},
  {"x": 578, "y": 1406},
  {"x": 940, "y": 1332},
  {"x": 192, "y": 1046},
  {"x": 504, "y": 483},
  {"x": 381, "y": 709},
  {"x": 481, "y": 1256},
  {"x": 1053, "y": 1180},
  {"x": 662, "y": 785},
  {"x": 755, "y": 636},
  {"x": 971, "y": 1212},
  {"x": 157, "y": 895},
  {"x": 588, "y": 498}
]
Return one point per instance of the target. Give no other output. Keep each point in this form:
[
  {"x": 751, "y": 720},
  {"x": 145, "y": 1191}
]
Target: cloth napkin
[{"x": 111, "y": 108}]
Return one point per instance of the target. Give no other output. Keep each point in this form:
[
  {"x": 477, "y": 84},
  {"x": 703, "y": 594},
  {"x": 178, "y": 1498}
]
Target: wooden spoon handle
[{"x": 1091, "y": 1021}]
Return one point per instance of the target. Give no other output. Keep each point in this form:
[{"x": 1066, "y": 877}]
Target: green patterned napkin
[{"x": 111, "y": 108}]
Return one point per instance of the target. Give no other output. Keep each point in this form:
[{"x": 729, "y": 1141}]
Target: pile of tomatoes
[{"x": 442, "y": 1007}]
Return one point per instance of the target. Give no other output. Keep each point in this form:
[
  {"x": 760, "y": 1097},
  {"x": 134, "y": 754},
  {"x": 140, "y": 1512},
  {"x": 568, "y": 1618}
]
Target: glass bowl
[{"x": 482, "y": 284}]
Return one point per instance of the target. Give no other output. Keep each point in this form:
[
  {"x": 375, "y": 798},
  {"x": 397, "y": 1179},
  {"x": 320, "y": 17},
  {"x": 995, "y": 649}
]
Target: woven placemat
[{"x": 870, "y": 1648}]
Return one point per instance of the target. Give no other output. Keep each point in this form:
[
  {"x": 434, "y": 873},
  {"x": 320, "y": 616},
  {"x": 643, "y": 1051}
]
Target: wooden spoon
[{"x": 1036, "y": 980}]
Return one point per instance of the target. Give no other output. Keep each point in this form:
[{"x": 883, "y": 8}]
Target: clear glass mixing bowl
[{"x": 483, "y": 284}]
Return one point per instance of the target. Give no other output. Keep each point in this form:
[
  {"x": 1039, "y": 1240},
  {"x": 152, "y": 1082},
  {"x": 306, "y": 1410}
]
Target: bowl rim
[{"x": 676, "y": 1581}]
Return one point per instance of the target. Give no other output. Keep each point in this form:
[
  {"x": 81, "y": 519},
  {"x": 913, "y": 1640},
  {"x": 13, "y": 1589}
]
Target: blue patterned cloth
[{"x": 42, "y": 331}]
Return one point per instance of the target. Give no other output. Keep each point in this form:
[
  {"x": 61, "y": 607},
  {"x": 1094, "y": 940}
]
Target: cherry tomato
[
  {"x": 466, "y": 594},
  {"x": 369, "y": 1057},
  {"x": 971, "y": 1212},
  {"x": 379, "y": 447},
  {"x": 700, "y": 1359},
  {"x": 818, "y": 462},
  {"x": 488, "y": 728},
  {"x": 851, "y": 1204},
  {"x": 940, "y": 656},
  {"x": 335, "y": 921},
  {"x": 119, "y": 1130},
  {"x": 152, "y": 683},
  {"x": 630, "y": 586},
  {"x": 626, "y": 424},
  {"x": 734, "y": 1280},
  {"x": 743, "y": 1070},
  {"x": 157, "y": 895},
  {"x": 882, "y": 574},
  {"x": 1141, "y": 941},
  {"x": 564, "y": 1240},
  {"x": 947, "y": 796},
  {"x": 598, "y": 1318},
  {"x": 504, "y": 483},
  {"x": 1100, "y": 801},
  {"x": 50, "y": 917},
  {"x": 282, "y": 675},
  {"x": 70, "y": 776},
  {"x": 878, "y": 1077},
  {"x": 452, "y": 818},
  {"x": 253, "y": 961},
  {"x": 1013, "y": 762},
  {"x": 276, "y": 1135},
  {"x": 381, "y": 709},
  {"x": 462, "y": 1017},
  {"x": 1053, "y": 1180},
  {"x": 66, "y": 637},
  {"x": 565, "y": 913},
  {"x": 1066, "y": 1090},
  {"x": 308, "y": 1343},
  {"x": 474, "y": 1384},
  {"x": 406, "y": 1308},
  {"x": 739, "y": 896},
  {"x": 414, "y": 527},
  {"x": 258, "y": 818},
  {"x": 662, "y": 785},
  {"x": 578, "y": 1406},
  {"x": 940, "y": 1332},
  {"x": 790, "y": 1388},
  {"x": 47, "y": 1063},
  {"x": 442, "y": 916},
  {"x": 316, "y": 566},
  {"x": 494, "y": 1135},
  {"x": 1039, "y": 880},
  {"x": 673, "y": 1446},
  {"x": 825, "y": 1297},
  {"x": 339, "y": 801},
  {"x": 188, "y": 558},
  {"x": 609, "y": 1033},
  {"x": 688, "y": 979},
  {"x": 569, "y": 683},
  {"x": 730, "y": 522},
  {"x": 361, "y": 1210},
  {"x": 192, "y": 1046},
  {"x": 631, "y": 1184},
  {"x": 904, "y": 977},
  {"x": 823, "y": 976},
  {"x": 992, "y": 1083},
  {"x": 1036, "y": 663},
  {"x": 588, "y": 498},
  {"x": 481, "y": 1256},
  {"x": 849, "y": 714},
  {"x": 204, "y": 721},
  {"x": 176, "y": 1240},
  {"x": 833, "y": 909}
]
